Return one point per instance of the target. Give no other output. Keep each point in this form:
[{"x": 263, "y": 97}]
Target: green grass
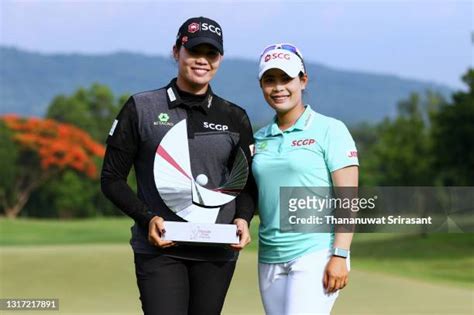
[
  {"x": 79, "y": 231},
  {"x": 99, "y": 279},
  {"x": 436, "y": 257},
  {"x": 447, "y": 258},
  {"x": 55, "y": 232}
]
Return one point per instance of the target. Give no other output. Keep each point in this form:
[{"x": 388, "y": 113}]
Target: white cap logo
[{"x": 284, "y": 60}]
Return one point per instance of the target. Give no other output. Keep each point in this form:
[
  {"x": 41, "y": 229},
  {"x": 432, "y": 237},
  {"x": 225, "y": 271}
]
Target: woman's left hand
[
  {"x": 336, "y": 275},
  {"x": 243, "y": 232}
]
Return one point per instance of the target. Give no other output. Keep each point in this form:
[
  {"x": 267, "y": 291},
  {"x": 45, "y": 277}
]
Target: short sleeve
[
  {"x": 124, "y": 134},
  {"x": 340, "y": 147}
]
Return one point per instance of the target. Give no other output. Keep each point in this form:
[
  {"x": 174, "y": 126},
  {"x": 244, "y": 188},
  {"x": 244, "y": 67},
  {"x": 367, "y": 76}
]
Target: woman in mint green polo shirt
[{"x": 299, "y": 273}]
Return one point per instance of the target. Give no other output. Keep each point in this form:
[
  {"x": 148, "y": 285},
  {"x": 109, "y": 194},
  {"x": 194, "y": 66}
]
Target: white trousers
[{"x": 296, "y": 287}]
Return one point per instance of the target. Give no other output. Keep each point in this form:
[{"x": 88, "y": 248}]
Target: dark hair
[
  {"x": 303, "y": 91},
  {"x": 178, "y": 44}
]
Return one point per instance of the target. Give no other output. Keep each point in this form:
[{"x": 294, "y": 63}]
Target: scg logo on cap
[
  {"x": 195, "y": 27},
  {"x": 212, "y": 28},
  {"x": 277, "y": 55}
]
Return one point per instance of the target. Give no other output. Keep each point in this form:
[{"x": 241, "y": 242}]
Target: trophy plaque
[{"x": 188, "y": 197}]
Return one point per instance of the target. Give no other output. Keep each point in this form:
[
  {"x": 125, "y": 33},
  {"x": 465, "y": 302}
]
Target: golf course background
[
  {"x": 88, "y": 265},
  {"x": 60, "y": 237},
  {"x": 65, "y": 78}
]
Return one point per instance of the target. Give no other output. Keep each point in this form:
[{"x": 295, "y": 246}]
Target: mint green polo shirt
[{"x": 304, "y": 155}]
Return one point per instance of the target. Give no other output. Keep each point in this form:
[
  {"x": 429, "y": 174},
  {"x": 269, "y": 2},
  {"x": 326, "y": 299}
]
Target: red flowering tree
[{"x": 44, "y": 148}]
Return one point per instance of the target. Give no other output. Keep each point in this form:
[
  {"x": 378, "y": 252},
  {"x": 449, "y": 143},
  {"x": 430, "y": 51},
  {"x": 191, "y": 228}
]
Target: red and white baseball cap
[{"x": 285, "y": 57}]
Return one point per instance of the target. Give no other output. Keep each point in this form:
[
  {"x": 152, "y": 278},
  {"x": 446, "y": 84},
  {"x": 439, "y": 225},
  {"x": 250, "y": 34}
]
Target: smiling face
[
  {"x": 196, "y": 67},
  {"x": 283, "y": 93}
]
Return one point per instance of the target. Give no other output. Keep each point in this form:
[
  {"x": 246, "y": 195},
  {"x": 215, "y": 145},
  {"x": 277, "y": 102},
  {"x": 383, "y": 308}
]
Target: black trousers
[{"x": 173, "y": 286}]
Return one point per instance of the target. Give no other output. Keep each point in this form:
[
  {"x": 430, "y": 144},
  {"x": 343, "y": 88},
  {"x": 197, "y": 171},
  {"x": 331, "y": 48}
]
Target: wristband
[{"x": 339, "y": 252}]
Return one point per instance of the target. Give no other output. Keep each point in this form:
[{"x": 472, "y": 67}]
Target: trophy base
[{"x": 211, "y": 233}]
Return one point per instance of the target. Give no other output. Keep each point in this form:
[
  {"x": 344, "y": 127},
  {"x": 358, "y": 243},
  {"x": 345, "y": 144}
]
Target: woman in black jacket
[{"x": 184, "y": 279}]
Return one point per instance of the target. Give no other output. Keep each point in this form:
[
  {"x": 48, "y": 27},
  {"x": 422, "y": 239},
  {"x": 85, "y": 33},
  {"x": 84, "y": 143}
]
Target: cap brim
[{"x": 193, "y": 42}]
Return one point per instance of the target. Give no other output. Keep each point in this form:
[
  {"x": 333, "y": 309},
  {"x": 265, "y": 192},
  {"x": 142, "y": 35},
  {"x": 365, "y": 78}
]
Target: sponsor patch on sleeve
[
  {"x": 252, "y": 149},
  {"x": 352, "y": 154},
  {"x": 111, "y": 132}
]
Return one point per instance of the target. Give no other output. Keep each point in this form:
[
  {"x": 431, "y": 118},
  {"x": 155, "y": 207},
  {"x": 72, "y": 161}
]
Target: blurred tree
[
  {"x": 92, "y": 109},
  {"x": 8, "y": 155},
  {"x": 69, "y": 203},
  {"x": 453, "y": 137},
  {"x": 402, "y": 154},
  {"x": 43, "y": 148},
  {"x": 365, "y": 135}
]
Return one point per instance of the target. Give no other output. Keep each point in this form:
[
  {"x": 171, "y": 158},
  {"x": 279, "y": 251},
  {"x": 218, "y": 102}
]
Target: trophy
[{"x": 188, "y": 198}]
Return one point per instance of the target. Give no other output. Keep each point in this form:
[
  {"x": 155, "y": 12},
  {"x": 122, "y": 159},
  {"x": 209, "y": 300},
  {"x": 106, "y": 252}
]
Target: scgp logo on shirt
[
  {"x": 214, "y": 126},
  {"x": 302, "y": 142}
]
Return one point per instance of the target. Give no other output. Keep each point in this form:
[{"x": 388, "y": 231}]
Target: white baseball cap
[{"x": 285, "y": 57}]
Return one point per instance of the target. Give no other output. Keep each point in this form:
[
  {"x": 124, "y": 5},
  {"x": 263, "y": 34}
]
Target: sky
[{"x": 429, "y": 40}]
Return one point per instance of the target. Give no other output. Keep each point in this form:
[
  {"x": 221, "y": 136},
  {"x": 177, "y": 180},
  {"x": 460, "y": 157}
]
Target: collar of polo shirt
[{"x": 301, "y": 123}]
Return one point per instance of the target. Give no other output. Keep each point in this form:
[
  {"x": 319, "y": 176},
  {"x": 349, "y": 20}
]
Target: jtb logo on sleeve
[
  {"x": 302, "y": 142},
  {"x": 352, "y": 154}
]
